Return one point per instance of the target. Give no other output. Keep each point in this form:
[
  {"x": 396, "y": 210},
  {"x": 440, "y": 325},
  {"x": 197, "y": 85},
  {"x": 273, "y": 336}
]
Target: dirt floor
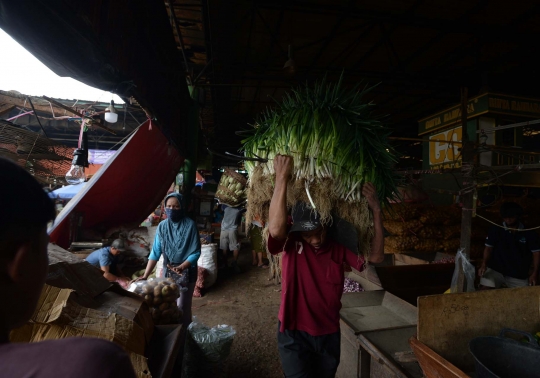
[{"x": 249, "y": 302}]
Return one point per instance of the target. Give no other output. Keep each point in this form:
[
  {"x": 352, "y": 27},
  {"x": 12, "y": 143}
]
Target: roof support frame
[
  {"x": 330, "y": 36},
  {"x": 274, "y": 41},
  {"x": 448, "y": 26}
]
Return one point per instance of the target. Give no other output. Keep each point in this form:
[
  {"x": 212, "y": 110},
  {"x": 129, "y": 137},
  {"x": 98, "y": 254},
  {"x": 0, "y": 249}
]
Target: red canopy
[{"x": 127, "y": 188}]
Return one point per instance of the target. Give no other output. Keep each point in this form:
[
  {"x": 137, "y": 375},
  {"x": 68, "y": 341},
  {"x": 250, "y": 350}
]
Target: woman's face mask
[
  {"x": 174, "y": 209},
  {"x": 174, "y": 214}
]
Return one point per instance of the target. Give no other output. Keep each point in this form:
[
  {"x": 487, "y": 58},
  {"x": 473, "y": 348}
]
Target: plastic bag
[
  {"x": 468, "y": 271},
  {"x": 206, "y": 350},
  {"x": 208, "y": 261},
  {"x": 161, "y": 295}
]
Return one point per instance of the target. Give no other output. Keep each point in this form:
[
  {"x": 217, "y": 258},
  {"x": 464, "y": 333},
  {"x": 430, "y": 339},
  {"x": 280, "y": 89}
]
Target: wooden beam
[
  {"x": 4, "y": 108},
  {"x": 18, "y": 100},
  {"x": 96, "y": 122}
]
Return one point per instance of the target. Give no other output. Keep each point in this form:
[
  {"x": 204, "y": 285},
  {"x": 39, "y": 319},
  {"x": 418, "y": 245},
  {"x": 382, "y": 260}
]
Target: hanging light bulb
[
  {"x": 76, "y": 174},
  {"x": 111, "y": 116}
]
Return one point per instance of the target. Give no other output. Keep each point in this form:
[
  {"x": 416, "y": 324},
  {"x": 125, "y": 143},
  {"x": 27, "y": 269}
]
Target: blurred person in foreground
[
  {"x": 312, "y": 279},
  {"x": 25, "y": 211}
]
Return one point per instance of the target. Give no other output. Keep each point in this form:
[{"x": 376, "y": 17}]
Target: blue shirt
[
  {"x": 101, "y": 257},
  {"x": 512, "y": 251}
]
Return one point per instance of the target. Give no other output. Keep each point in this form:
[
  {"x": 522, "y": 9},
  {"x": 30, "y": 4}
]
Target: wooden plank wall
[{"x": 447, "y": 322}]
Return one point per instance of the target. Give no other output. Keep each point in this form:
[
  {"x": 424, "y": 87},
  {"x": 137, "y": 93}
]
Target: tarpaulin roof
[
  {"x": 126, "y": 47},
  {"x": 127, "y": 188}
]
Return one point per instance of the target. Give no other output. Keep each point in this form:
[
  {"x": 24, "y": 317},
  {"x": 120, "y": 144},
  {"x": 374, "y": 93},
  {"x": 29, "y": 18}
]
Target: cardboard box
[
  {"x": 67, "y": 271},
  {"x": 77, "y": 301},
  {"x": 58, "y": 316},
  {"x": 94, "y": 291}
]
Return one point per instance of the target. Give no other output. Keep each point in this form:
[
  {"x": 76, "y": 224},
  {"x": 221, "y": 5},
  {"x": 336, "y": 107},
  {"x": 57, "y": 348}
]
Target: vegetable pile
[
  {"x": 337, "y": 145},
  {"x": 161, "y": 296}
]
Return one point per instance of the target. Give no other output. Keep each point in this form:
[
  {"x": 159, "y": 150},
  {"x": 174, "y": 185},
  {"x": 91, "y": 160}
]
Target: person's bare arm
[
  {"x": 487, "y": 255},
  {"x": 149, "y": 269},
  {"x": 277, "y": 220},
  {"x": 108, "y": 275},
  {"x": 377, "y": 244}
]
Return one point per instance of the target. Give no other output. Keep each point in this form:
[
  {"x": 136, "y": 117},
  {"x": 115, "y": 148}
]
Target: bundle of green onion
[{"x": 337, "y": 145}]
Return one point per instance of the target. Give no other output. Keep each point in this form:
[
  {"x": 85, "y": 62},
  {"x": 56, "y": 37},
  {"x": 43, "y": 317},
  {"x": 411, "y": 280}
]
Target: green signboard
[{"x": 486, "y": 103}]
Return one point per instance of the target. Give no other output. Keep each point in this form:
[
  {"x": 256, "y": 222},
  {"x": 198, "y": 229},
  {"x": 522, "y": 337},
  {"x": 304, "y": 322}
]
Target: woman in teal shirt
[{"x": 178, "y": 238}]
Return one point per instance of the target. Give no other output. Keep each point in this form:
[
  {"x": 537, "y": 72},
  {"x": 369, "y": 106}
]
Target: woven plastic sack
[
  {"x": 208, "y": 261},
  {"x": 206, "y": 350},
  {"x": 468, "y": 271}
]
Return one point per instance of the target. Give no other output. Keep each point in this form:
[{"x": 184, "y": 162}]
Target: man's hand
[
  {"x": 482, "y": 270},
  {"x": 532, "y": 279},
  {"x": 369, "y": 191},
  {"x": 283, "y": 166}
]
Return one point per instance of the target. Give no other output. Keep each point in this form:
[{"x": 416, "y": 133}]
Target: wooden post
[{"x": 467, "y": 171}]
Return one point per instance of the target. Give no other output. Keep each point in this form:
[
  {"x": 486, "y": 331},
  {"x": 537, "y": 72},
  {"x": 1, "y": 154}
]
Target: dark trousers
[{"x": 306, "y": 356}]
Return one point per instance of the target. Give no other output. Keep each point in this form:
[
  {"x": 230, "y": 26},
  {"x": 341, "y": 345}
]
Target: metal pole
[{"x": 467, "y": 171}]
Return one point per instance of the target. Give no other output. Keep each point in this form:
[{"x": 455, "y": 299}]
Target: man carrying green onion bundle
[{"x": 312, "y": 279}]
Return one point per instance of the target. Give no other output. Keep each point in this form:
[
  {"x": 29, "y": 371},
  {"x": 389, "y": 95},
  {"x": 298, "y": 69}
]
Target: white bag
[
  {"x": 208, "y": 261},
  {"x": 159, "y": 268}
]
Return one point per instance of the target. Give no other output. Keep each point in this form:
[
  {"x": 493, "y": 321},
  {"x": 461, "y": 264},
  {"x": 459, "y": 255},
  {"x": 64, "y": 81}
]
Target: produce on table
[
  {"x": 446, "y": 260},
  {"x": 161, "y": 295},
  {"x": 402, "y": 212},
  {"x": 451, "y": 245},
  {"x": 430, "y": 232},
  {"x": 398, "y": 244},
  {"x": 445, "y": 215},
  {"x": 429, "y": 245},
  {"x": 403, "y": 228},
  {"x": 451, "y": 232},
  {"x": 337, "y": 145}
]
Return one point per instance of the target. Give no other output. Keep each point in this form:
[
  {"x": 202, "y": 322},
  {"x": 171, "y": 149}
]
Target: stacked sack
[
  {"x": 207, "y": 268},
  {"x": 422, "y": 228}
]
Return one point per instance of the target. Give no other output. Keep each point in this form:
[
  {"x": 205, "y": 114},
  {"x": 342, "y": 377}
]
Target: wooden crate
[{"x": 364, "y": 312}]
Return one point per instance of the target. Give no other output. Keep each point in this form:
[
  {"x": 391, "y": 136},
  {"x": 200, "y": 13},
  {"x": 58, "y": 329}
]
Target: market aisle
[{"x": 250, "y": 303}]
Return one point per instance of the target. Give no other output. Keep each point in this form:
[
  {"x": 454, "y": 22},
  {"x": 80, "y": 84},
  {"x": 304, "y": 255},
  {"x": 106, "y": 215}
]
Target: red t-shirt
[{"x": 312, "y": 284}]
